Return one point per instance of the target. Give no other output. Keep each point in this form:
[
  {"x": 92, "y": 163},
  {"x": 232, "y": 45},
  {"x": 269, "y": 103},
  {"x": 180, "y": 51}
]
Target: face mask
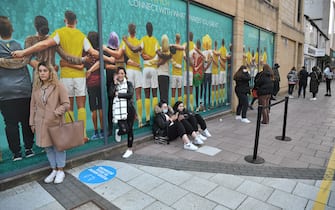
[{"x": 165, "y": 111}]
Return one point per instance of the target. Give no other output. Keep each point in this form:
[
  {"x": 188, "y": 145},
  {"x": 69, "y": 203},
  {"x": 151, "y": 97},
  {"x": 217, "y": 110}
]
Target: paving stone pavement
[{"x": 216, "y": 177}]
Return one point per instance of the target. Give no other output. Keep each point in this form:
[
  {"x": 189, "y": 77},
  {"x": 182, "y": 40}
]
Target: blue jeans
[{"x": 56, "y": 158}]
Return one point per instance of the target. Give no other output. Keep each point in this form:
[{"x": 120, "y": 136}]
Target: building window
[{"x": 299, "y": 11}]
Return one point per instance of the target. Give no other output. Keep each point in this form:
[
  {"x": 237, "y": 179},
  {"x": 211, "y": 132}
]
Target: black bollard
[
  {"x": 254, "y": 158},
  {"x": 283, "y": 137}
]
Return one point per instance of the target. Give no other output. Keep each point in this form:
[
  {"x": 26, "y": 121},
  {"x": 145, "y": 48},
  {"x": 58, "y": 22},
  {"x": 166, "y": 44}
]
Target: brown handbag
[{"x": 67, "y": 135}]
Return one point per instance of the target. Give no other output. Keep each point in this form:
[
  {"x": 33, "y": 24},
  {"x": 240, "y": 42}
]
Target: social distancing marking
[{"x": 97, "y": 174}]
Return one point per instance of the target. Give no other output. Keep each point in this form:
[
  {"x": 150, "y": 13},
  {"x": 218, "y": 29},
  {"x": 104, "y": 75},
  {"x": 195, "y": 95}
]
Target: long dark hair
[{"x": 239, "y": 72}]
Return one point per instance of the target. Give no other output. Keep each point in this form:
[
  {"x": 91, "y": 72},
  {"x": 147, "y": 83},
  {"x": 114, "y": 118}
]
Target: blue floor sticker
[{"x": 97, "y": 174}]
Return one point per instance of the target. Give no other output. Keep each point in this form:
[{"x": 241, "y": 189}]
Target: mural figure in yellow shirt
[
  {"x": 249, "y": 59},
  {"x": 73, "y": 42},
  {"x": 264, "y": 57},
  {"x": 177, "y": 71},
  {"x": 130, "y": 47},
  {"x": 222, "y": 75}
]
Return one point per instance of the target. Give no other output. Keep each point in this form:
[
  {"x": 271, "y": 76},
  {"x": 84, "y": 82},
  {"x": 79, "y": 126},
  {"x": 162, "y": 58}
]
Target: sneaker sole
[
  {"x": 31, "y": 155},
  {"x": 17, "y": 159}
]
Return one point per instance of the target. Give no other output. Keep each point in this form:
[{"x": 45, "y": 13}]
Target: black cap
[{"x": 276, "y": 65}]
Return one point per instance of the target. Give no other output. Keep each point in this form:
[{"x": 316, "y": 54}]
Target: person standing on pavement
[
  {"x": 302, "y": 75},
  {"x": 48, "y": 104},
  {"x": 123, "y": 109},
  {"x": 242, "y": 89},
  {"x": 15, "y": 93},
  {"x": 328, "y": 73},
  {"x": 276, "y": 80},
  {"x": 314, "y": 82},
  {"x": 264, "y": 86},
  {"x": 292, "y": 78}
]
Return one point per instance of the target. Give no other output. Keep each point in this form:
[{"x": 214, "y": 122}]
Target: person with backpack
[{"x": 328, "y": 73}]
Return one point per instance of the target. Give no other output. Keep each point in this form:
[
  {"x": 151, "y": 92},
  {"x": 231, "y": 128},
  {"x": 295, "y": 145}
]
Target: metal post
[
  {"x": 102, "y": 73},
  {"x": 254, "y": 158},
  {"x": 283, "y": 137}
]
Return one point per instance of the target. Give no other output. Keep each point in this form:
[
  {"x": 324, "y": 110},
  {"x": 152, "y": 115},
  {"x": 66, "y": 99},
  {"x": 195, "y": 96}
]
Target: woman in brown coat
[{"x": 49, "y": 102}]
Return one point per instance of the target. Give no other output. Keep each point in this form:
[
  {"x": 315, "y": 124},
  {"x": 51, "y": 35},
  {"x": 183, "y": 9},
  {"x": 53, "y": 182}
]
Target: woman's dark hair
[
  {"x": 175, "y": 106},
  {"x": 239, "y": 72},
  {"x": 121, "y": 68},
  {"x": 6, "y": 27},
  {"x": 162, "y": 102},
  {"x": 268, "y": 71},
  {"x": 41, "y": 25},
  {"x": 93, "y": 37}
]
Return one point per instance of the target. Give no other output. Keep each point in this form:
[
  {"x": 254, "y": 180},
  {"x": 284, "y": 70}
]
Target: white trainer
[
  {"x": 203, "y": 138},
  {"x": 245, "y": 120},
  {"x": 117, "y": 137},
  {"x": 127, "y": 154},
  {"x": 313, "y": 99},
  {"x": 207, "y": 133},
  {"x": 198, "y": 141},
  {"x": 238, "y": 117},
  {"x": 51, "y": 177},
  {"x": 59, "y": 177},
  {"x": 190, "y": 146}
]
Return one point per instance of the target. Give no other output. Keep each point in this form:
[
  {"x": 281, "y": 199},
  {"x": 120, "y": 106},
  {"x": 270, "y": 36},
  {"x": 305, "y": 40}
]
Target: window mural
[{"x": 148, "y": 38}]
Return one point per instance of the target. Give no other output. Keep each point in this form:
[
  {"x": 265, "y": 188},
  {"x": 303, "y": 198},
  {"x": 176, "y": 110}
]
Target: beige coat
[{"x": 43, "y": 115}]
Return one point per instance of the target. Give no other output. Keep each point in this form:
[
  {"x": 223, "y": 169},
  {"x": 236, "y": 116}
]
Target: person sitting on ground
[
  {"x": 166, "y": 124},
  {"x": 190, "y": 129},
  {"x": 193, "y": 118}
]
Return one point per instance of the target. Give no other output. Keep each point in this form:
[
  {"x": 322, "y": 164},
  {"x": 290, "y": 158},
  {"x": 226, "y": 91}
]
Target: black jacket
[
  {"x": 264, "y": 83},
  {"x": 315, "y": 81},
  {"x": 303, "y": 75},
  {"x": 242, "y": 84},
  {"x": 129, "y": 96},
  {"x": 160, "y": 125}
]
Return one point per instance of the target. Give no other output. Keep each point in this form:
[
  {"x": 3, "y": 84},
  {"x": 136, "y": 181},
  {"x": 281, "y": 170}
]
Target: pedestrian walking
[
  {"x": 328, "y": 73},
  {"x": 302, "y": 75},
  {"x": 314, "y": 82},
  {"x": 292, "y": 78}
]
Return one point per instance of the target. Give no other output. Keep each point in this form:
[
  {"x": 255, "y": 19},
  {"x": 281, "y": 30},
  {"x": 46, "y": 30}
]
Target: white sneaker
[
  {"x": 313, "y": 99},
  {"x": 190, "y": 146},
  {"x": 245, "y": 120},
  {"x": 238, "y": 117},
  {"x": 59, "y": 177},
  {"x": 290, "y": 96},
  {"x": 207, "y": 133},
  {"x": 117, "y": 137},
  {"x": 51, "y": 177},
  {"x": 203, "y": 138},
  {"x": 198, "y": 141},
  {"x": 127, "y": 154}
]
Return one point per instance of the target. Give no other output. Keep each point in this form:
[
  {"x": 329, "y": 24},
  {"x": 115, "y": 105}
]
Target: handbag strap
[{"x": 70, "y": 117}]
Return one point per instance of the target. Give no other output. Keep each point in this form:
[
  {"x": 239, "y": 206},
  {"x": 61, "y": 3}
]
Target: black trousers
[
  {"x": 276, "y": 87},
  {"x": 163, "y": 85},
  {"x": 243, "y": 104},
  {"x": 290, "y": 88},
  {"x": 206, "y": 85},
  {"x": 176, "y": 130},
  {"x": 302, "y": 87},
  {"x": 17, "y": 111},
  {"x": 328, "y": 81}
]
